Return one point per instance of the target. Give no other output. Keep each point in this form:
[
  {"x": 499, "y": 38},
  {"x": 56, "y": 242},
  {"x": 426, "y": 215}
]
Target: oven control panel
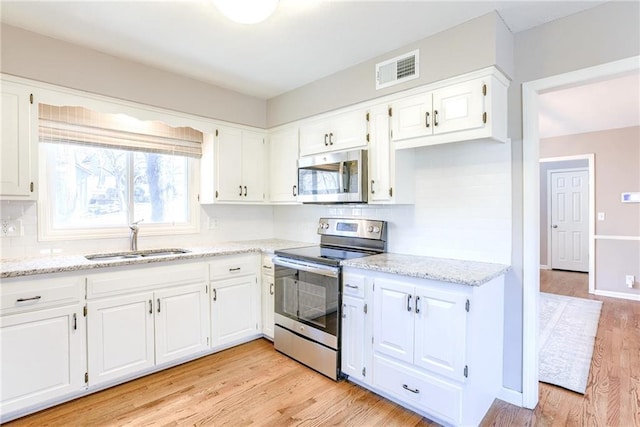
[{"x": 351, "y": 227}]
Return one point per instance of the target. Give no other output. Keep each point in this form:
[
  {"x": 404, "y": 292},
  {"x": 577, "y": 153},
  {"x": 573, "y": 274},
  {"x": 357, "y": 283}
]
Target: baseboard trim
[
  {"x": 510, "y": 396},
  {"x": 545, "y": 267},
  {"x": 621, "y": 295}
]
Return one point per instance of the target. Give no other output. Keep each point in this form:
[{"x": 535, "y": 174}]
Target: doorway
[{"x": 531, "y": 207}]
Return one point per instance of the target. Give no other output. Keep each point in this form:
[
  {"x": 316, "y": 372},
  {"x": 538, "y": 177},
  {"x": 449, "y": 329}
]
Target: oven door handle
[{"x": 316, "y": 269}]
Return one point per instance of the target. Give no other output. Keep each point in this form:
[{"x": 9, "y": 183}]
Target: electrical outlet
[
  {"x": 11, "y": 228},
  {"x": 629, "y": 280}
]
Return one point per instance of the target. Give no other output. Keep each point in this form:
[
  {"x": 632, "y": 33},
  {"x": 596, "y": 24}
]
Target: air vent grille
[{"x": 397, "y": 70}]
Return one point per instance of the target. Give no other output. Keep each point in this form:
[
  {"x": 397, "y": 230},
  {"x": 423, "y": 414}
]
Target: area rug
[{"x": 568, "y": 329}]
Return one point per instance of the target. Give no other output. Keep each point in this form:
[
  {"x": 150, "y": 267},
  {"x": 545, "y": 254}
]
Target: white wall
[
  {"x": 462, "y": 208},
  {"x": 231, "y": 223}
]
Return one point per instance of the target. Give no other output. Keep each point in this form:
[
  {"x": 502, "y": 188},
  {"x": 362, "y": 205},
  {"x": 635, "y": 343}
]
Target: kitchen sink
[{"x": 135, "y": 254}]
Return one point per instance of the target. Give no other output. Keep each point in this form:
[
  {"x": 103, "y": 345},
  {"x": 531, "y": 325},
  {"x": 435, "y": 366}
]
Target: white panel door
[
  {"x": 380, "y": 155},
  {"x": 15, "y": 148},
  {"x": 233, "y": 309},
  {"x": 283, "y": 165},
  {"x": 353, "y": 338},
  {"x": 570, "y": 220},
  {"x": 268, "y": 306},
  {"x": 412, "y": 117},
  {"x": 120, "y": 336},
  {"x": 459, "y": 107},
  {"x": 393, "y": 319},
  {"x": 182, "y": 322},
  {"x": 253, "y": 170},
  {"x": 41, "y": 356},
  {"x": 348, "y": 130},
  {"x": 314, "y": 137},
  {"x": 441, "y": 349},
  {"x": 228, "y": 162}
]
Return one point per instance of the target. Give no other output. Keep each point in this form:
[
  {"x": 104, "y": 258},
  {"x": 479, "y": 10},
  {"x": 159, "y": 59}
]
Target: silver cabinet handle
[
  {"x": 266, "y": 267},
  {"x": 406, "y": 387},
  {"x": 234, "y": 269},
  {"x": 75, "y": 322},
  {"x": 215, "y": 295},
  {"x": 426, "y": 119},
  {"x": 435, "y": 117},
  {"x": 37, "y": 297},
  {"x": 240, "y": 194},
  {"x": 295, "y": 187},
  {"x": 158, "y": 305},
  {"x": 372, "y": 190},
  {"x": 417, "y": 302},
  {"x": 344, "y": 311},
  {"x": 350, "y": 286},
  {"x": 331, "y": 138},
  {"x": 271, "y": 288},
  {"x": 409, "y": 303},
  {"x": 245, "y": 191},
  {"x": 150, "y": 307},
  {"x": 325, "y": 140},
  {"x": 554, "y": 226}
]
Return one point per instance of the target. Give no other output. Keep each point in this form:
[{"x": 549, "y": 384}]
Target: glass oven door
[{"x": 307, "y": 299}]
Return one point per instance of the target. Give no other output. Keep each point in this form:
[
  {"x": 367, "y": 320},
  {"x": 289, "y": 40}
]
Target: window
[{"x": 103, "y": 171}]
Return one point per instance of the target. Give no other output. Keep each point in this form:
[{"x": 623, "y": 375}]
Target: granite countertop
[
  {"x": 64, "y": 263},
  {"x": 447, "y": 270}
]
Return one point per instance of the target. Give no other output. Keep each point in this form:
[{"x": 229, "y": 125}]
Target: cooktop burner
[{"x": 322, "y": 254}]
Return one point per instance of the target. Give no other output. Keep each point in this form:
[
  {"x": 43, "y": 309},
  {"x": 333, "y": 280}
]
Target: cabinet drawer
[
  {"x": 234, "y": 266},
  {"x": 20, "y": 295},
  {"x": 267, "y": 265},
  {"x": 433, "y": 396},
  {"x": 353, "y": 285}
]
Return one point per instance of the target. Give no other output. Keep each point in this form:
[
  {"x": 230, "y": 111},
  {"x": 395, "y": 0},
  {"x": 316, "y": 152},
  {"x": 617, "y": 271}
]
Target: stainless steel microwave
[{"x": 333, "y": 177}]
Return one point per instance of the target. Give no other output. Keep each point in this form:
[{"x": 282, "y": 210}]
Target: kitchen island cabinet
[{"x": 435, "y": 346}]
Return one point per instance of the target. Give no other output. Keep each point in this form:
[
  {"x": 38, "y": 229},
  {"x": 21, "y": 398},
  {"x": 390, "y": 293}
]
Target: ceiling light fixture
[{"x": 246, "y": 11}]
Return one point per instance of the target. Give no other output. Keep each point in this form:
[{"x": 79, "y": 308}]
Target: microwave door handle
[{"x": 341, "y": 177}]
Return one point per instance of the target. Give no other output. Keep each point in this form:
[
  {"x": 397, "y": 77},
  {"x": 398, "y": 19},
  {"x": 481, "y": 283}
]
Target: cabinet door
[
  {"x": 441, "y": 331},
  {"x": 233, "y": 309},
  {"x": 284, "y": 165},
  {"x": 253, "y": 171},
  {"x": 412, "y": 117},
  {"x": 15, "y": 146},
  {"x": 459, "y": 107},
  {"x": 268, "y": 304},
  {"x": 314, "y": 137},
  {"x": 354, "y": 338},
  {"x": 348, "y": 130},
  {"x": 228, "y": 162},
  {"x": 41, "y": 356},
  {"x": 379, "y": 155},
  {"x": 182, "y": 322},
  {"x": 393, "y": 321},
  {"x": 120, "y": 336}
]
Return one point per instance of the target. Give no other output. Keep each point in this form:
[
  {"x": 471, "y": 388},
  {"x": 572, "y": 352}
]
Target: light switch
[{"x": 600, "y": 216}]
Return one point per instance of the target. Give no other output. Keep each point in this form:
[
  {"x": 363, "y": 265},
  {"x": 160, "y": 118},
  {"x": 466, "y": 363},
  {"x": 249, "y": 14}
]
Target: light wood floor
[{"x": 253, "y": 384}]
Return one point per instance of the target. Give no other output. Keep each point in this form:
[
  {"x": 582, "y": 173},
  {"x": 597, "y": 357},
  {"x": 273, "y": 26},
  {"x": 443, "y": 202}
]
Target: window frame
[{"x": 46, "y": 231}]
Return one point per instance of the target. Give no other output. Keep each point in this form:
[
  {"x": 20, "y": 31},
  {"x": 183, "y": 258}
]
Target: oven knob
[
  {"x": 370, "y": 229},
  {"x": 376, "y": 229},
  {"x": 301, "y": 328},
  {"x": 325, "y": 226}
]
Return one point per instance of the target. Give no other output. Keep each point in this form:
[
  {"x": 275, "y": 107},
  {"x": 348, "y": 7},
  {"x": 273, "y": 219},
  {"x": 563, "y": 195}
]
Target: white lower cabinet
[
  {"x": 268, "y": 296},
  {"x": 433, "y": 347},
  {"x": 42, "y": 342},
  {"x": 235, "y": 296},
  {"x": 128, "y": 333}
]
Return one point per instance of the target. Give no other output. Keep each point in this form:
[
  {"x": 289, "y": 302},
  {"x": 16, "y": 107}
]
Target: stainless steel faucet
[{"x": 133, "y": 236}]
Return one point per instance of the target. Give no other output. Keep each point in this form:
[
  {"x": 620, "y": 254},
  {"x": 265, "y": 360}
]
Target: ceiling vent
[{"x": 397, "y": 70}]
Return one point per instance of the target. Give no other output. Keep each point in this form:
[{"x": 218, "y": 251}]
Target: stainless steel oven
[
  {"x": 308, "y": 294},
  {"x": 333, "y": 178}
]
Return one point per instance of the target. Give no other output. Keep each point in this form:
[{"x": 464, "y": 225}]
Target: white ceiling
[
  {"x": 303, "y": 41},
  {"x": 602, "y": 105}
]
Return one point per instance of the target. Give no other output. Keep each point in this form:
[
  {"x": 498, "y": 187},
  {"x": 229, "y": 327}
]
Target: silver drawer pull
[
  {"x": 37, "y": 297},
  {"x": 350, "y": 286},
  {"x": 267, "y": 267},
  {"x": 235, "y": 269},
  {"x": 406, "y": 387}
]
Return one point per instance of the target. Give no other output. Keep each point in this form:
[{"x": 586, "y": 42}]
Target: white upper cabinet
[
  {"x": 474, "y": 108},
  {"x": 283, "y": 165},
  {"x": 17, "y": 157},
  {"x": 233, "y": 166},
  {"x": 334, "y": 133}
]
